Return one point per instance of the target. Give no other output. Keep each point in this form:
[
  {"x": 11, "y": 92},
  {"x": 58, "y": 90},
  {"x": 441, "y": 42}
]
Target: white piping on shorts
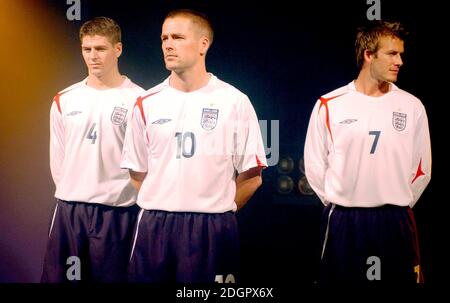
[
  {"x": 326, "y": 232},
  {"x": 141, "y": 212},
  {"x": 53, "y": 220}
]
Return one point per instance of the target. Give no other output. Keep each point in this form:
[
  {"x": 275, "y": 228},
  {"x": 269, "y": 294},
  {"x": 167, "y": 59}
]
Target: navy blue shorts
[
  {"x": 369, "y": 244},
  {"x": 184, "y": 247},
  {"x": 89, "y": 243}
]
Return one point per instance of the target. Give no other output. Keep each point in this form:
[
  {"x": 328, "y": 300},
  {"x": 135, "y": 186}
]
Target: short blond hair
[
  {"x": 102, "y": 26},
  {"x": 197, "y": 18},
  {"x": 368, "y": 37}
]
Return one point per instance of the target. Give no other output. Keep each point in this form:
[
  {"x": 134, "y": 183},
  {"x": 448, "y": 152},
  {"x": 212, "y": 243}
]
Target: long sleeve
[
  {"x": 57, "y": 142},
  {"x": 316, "y": 151},
  {"x": 421, "y": 166}
]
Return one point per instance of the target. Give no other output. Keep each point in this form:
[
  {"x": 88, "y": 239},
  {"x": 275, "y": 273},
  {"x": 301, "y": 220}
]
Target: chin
[
  {"x": 393, "y": 77},
  {"x": 96, "y": 72},
  {"x": 97, "y": 75},
  {"x": 389, "y": 79},
  {"x": 170, "y": 66},
  {"x": 393, "y": 80}
]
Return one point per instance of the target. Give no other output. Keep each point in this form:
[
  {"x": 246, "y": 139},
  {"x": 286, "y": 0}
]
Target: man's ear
[
  {"x": 118, "y": 49},
  {"x": 204, "y": 45},
  {"x": 368, "y": 55}
]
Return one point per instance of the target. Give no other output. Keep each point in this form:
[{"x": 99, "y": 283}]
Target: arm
[
  {"x": 421, "y": 170},
  {"x": 316, "y": 151},
  {"x": 137, "y": 178},
  {"x": 247, "y": 183},
  {"x": 249, "y": 157},
  {"x": 56, "y": 142},
  {"x": 134, "y": 154}
]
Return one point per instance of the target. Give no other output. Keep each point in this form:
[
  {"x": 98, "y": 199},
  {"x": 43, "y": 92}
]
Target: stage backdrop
[{"x": 282, "y": 57}]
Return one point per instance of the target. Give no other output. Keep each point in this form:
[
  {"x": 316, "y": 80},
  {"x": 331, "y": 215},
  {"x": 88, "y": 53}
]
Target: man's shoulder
[
  {"x": 407, "y": 96},
  {"x": 343, "y": 90},
  {"x": 129, "y": 84},
  {"x": 69, "y": 90},
  {"x": 227, "y": 94},
  {"x": 225, "y": 86},
  {"x": 152, "y": 92},
  {"x": 72, "y": 87}
]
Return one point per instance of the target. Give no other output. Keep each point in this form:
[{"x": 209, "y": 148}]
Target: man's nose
[
  {"x": 93, "y": 54},
  {"x": 167, "y": 44},
  {"x": 398, "y": 60}
]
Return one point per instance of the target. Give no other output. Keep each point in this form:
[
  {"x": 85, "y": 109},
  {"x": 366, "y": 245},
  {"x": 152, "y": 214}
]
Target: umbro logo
[
  {"x": 73, "y": 113},
  {"x": 161, "y": 121},
  {"x": 348, "y": 121}
]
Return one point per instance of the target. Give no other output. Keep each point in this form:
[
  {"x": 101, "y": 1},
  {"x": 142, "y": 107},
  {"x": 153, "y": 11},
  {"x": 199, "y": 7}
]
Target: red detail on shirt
[
  {"x": 324, "y": 102},
  {"x": 260, "y": 164},
  {"x": 419, "y": 172},
  {"x": 139, "y": 105},
  {"x": 141, "y": 109},
  {"x": 56, "y": 99}
]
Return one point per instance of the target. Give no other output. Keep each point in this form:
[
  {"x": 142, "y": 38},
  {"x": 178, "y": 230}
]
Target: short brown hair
[
  {"x": 368, "y": 37},
  {"x": 102, "y": 26},
  {"x": 198, "y": 18}
]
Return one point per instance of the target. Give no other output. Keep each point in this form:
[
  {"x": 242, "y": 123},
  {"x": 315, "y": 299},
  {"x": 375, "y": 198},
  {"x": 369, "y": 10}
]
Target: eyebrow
[
  {"x": 395, "y": 51},
  {"x": 173, "y": 35},
  {"x": 96, "y": 46}
]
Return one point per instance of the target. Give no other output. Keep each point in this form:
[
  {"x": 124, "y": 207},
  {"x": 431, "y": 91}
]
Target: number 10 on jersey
[{"x": 181, "y": 144}]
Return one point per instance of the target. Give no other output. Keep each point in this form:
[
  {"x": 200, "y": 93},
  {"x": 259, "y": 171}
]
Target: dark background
[{"x": 282, "y": 54}]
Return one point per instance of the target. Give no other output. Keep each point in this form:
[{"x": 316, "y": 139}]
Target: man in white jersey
[
  {"x": 91, "y": 230},
  {"x": 368, "y": 158},
  {"x": 196, "y": 153}
]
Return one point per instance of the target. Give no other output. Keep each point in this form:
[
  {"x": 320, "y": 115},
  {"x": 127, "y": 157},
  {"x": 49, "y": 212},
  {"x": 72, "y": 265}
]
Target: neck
[
  {"x": 111, "y": 80},
  {"x": 188, "y": 81},
  {"x": 371, "y": 87}
]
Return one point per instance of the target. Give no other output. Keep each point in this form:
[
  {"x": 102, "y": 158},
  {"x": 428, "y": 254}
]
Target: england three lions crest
[
  {"x": 209, "y": 118},
  {"x": 118, "y": 115},
  {"x": 399, "y": 121}
]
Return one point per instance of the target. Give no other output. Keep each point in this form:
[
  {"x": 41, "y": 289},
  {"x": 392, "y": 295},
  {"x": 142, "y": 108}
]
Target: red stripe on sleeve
[
  {"x": 419, "y": 172},
  {"x": 139, "y": 105},
  {"x": 141, "y": 109},
  {"x": 324, "y": 102},
  {"x": 56, "y": 99}
]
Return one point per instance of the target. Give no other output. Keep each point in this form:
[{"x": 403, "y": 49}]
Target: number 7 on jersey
[{"x": 375, "y": 133}]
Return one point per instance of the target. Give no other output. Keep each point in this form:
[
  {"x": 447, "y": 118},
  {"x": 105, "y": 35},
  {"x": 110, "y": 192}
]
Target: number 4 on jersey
[{"x": 92, "y": 134}]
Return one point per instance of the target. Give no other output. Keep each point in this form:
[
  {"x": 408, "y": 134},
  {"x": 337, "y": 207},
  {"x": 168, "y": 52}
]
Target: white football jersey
[
  {"x": 87, "y": 130},
  {"x": 190, "y": 144},
  {"x": 364, "y": 151}
]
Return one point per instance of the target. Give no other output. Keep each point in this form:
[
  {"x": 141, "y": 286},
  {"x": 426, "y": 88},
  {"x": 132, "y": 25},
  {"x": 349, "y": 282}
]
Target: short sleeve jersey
[{"x": 191, "y": 144}]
